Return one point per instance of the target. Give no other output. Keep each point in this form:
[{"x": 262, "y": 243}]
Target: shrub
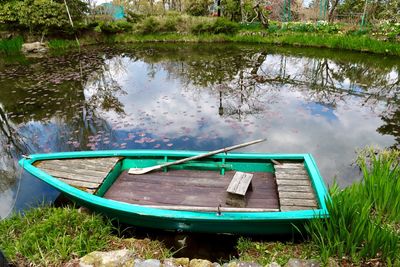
[
  {"x": 133, "y": 17},
  {"x": 198, "y": 7},
  {"x": 223, "y": 25},
  {"x": 148, "y": 25},
  {"x": 112, "y": 27},
  {"x": 217, "y": 26},
  {"x": 202, "y": 28}
]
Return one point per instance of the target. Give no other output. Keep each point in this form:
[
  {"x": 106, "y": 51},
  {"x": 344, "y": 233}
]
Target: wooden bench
[{"x": 237, "y": 189}]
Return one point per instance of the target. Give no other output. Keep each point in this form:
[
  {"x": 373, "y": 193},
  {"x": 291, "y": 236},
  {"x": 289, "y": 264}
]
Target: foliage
[
  {"x": 41, "y": 15},
  {"x": 388, "y": 9},
  {"x": 58, "y": 44},
  {"x": 112, "y": 27},
  {"x": 9, "y": 12},
  {"x": 133, "y": 17},
  {"x": 381, "y": 183},
  {"x": 11, "y": 46},
  {"x": 148, "y": 25},
  {"x": 164, "y": 24},
  {"x": 198, "y": 7},
  {"x": 48, "y": 236},
  {"x": 362, "y": 223},
  {"x": 267, "y": 252},
  {"x": 232, "y": 10},
  {"x": 218, "y": 26},
  {"x": 320, "y": 27},
  {"x": 390, "y": 30}
]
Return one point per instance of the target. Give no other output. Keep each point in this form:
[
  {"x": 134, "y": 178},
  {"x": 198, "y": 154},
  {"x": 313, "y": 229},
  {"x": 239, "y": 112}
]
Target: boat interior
[{"x": 211, "y": 184}]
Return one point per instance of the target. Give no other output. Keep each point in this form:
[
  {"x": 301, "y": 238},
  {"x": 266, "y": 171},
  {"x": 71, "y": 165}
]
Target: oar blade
[{"x": 143, "y": 170}]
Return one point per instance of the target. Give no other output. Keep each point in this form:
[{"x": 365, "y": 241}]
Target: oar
[{"x": 156, "y": 167}]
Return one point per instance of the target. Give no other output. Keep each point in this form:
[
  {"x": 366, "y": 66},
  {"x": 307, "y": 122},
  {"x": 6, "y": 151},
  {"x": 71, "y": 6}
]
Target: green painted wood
[
  {"x": 227, "y": 222},
  {"x": 109, "y": 180}
]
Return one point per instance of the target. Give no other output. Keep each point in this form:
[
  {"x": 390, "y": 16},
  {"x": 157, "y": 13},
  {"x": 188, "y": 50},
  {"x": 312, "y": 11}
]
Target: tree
[
  {"x": 198, "y": 7},
  {"x": 42, "y": 15}
]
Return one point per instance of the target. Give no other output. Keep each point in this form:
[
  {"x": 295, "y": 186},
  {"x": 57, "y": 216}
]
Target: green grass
[
  {"x": 335, "y": 41},
  {"x": 363, "y": 223},
  {"x": 49, "y": 236},
  {"x": 11, "y": 46},
  {"x": 279, "y": 252},
  {"x": 60, "y": 44}
]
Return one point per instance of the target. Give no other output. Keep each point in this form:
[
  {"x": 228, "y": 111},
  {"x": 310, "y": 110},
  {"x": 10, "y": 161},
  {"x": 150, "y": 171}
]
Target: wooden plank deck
[
  {"x": 86, "y": 173},
  {"x": 197, "y": 189},
  {"x": 294, "y": 187}
]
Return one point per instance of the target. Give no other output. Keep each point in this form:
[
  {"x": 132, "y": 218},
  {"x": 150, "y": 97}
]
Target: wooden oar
[{"x": 157, "y": 167}]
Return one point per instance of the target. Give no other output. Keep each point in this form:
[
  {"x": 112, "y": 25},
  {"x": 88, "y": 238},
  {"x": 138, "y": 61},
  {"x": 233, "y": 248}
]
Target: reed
[
  {"x": 11, "y": 46},
  {"x": 381, "y": 182},
  {"x": 363, "y": 217}
]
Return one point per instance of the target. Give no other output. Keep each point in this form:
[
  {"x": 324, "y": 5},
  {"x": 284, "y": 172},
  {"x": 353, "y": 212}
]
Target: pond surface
[{"x": 198, "y": 97}]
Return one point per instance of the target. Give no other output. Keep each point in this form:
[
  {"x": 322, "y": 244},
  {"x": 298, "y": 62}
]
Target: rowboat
[{"x": 239, "y": 193}]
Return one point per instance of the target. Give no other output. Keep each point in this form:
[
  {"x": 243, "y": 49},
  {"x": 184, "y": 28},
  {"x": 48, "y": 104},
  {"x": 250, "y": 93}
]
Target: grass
[
  {"x": 363, "y": 223},
  {"x": 61, "y": 45},
  {"x": 335, "y": 41},
  {"x": 267, "y": 252},
  {"x": 11, "y": 46},
  {"x": 49, "y": 236}
]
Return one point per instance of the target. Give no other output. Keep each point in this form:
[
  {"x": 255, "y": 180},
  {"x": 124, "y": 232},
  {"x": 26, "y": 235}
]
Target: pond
[{"x": 195, "y": 97}]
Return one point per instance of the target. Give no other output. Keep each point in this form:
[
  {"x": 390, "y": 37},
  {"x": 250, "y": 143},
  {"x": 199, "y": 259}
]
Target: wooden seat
[{"x": 237, "y": 189}]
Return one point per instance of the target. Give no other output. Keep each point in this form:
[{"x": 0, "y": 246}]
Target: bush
[
  {"x": 198, "y": 7},
  {"x": 225, "y": 26},
  {"x": 218, "y": 26},
  {"x": 148, "y": 25},
  {"x": 113, "y": 27},
  {"x": 160, "y": 24},
  {"x": 133, "y": 17}
]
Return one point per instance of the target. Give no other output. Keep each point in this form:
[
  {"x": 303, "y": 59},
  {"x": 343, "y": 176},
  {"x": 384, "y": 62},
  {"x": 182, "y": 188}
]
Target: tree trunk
[
  {"x": 332, "y": 11},
  {"x": 260, "y": 15}
]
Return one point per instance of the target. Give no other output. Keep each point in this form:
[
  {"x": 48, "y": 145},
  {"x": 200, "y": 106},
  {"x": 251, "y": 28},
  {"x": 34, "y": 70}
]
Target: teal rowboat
[{"x": 266, "y": 193}]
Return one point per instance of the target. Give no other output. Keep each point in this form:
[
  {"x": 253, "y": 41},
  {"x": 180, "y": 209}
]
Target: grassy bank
[
  {"x": 363, "y": 228},
  {"x": 381, "y": 39},
  {"x": 353, "y": 43},
  {"x": 49, "y": 236}
]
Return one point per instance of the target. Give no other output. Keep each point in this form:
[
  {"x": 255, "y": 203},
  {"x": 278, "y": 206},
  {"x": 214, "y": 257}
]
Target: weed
[{"x": 11, "y": 46}]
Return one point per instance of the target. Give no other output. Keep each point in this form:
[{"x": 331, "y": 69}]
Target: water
[{"x": 199, "y": 97}]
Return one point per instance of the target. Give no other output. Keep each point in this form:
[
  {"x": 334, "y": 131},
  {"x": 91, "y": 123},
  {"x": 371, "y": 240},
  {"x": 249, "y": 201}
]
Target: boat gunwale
[{"x": 315, "y": 178}]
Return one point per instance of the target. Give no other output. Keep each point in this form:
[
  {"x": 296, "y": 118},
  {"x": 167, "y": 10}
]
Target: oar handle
[{"x": 226, "y": 149}]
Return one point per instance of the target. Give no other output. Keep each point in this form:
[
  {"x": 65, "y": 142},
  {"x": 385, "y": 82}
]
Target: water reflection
[{"x": 195, "y": 97}]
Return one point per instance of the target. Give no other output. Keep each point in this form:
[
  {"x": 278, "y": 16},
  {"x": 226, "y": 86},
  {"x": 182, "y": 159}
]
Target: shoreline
[{"x": 361, "y": 44}]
